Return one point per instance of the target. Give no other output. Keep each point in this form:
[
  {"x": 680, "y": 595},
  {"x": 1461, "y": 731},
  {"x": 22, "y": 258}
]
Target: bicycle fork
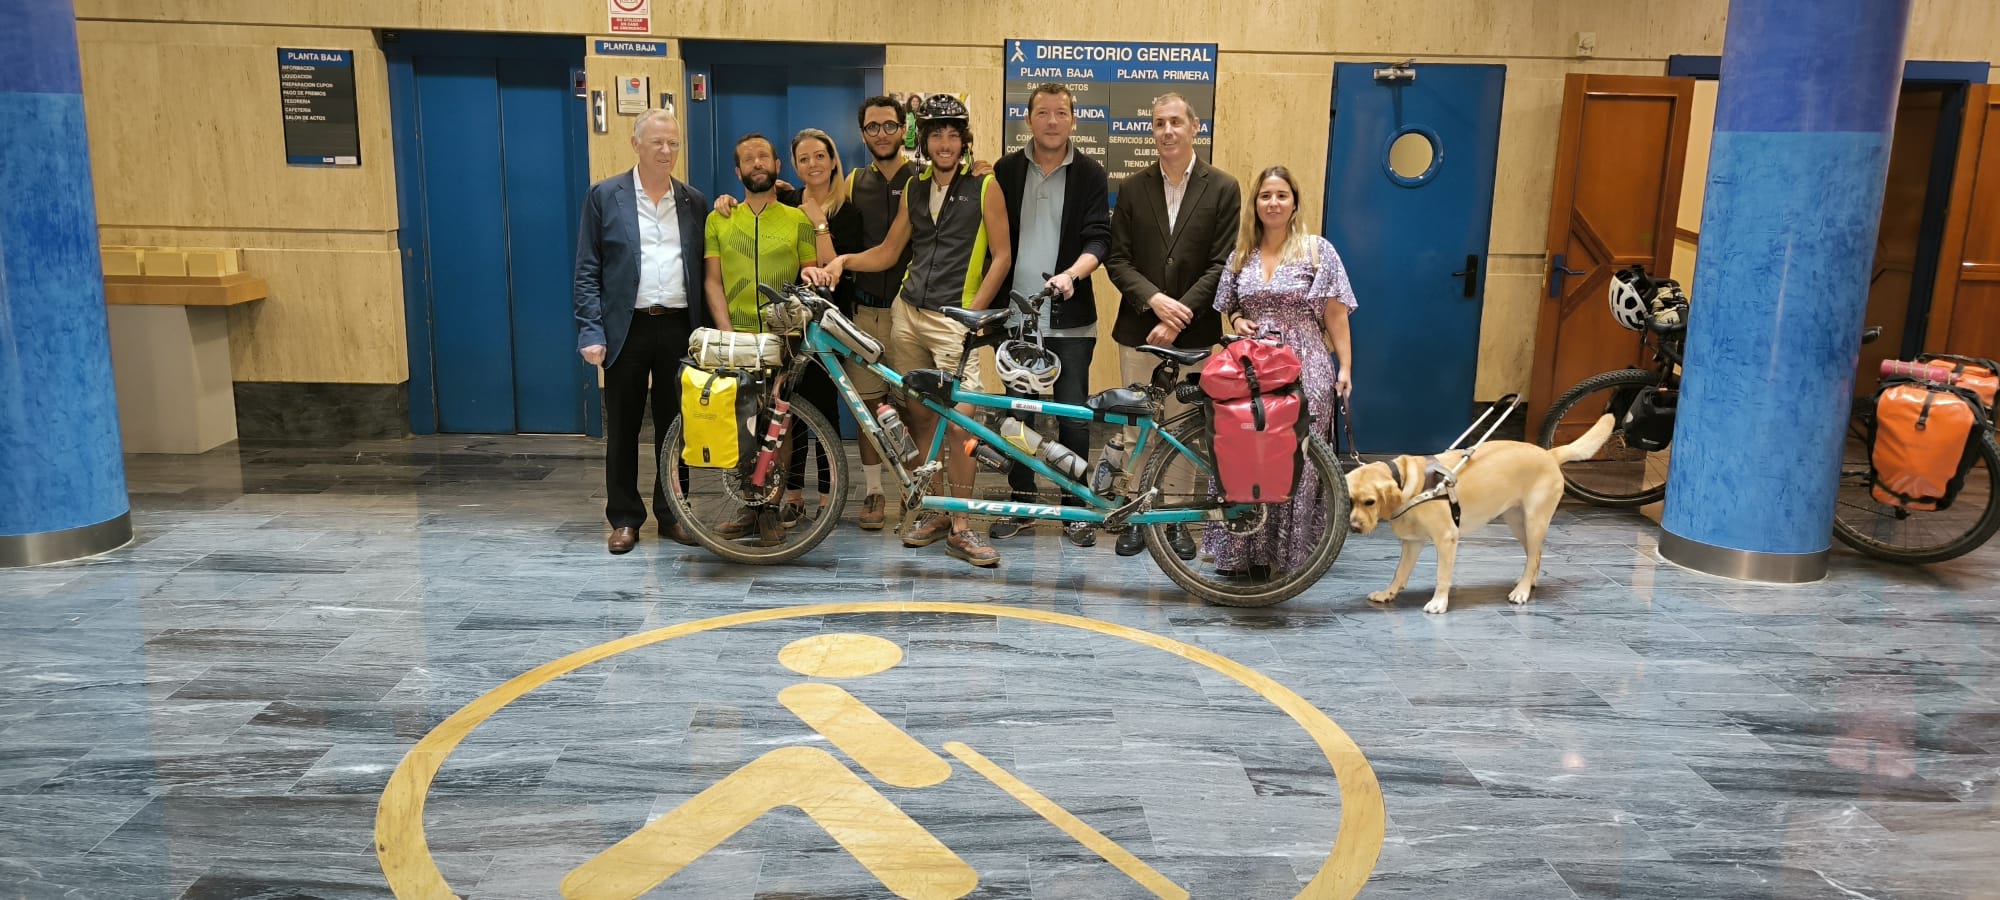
[{"x": 774, "y": 438}]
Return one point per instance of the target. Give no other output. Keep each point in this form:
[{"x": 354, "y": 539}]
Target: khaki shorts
[
  {"x": 876, "y": 321},
  {"x": 925, "y": 339}
]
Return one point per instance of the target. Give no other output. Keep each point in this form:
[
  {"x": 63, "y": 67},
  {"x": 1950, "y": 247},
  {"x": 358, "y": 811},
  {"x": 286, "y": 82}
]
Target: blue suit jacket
[{"x": 607, "y": 261}]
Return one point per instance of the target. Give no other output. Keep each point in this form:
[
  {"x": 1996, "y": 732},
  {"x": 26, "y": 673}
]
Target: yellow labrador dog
[{"x": 1510, "y": 480}]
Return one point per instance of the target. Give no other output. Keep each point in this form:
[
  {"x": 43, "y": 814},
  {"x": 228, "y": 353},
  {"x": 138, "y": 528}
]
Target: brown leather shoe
[
  {"x": 678, "y": 533},
  {"x": 622, "y": 540}
]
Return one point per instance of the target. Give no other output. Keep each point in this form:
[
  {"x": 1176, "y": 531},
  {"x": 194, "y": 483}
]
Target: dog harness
[{"x": 1440, "y": 483}]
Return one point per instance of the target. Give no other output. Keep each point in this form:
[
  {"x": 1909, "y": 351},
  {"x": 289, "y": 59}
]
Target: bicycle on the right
[{"x": 1893, "y": 503}]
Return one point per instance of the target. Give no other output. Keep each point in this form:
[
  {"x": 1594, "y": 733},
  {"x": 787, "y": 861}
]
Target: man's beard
[
  {"x": 895, "y": 150},
  {"x": 758, "y": 182}
]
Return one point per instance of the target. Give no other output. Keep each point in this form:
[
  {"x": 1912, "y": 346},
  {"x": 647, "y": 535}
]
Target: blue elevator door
[
  {"x": 502, "y": 170},
  {"x": 1409, "y": 204}
]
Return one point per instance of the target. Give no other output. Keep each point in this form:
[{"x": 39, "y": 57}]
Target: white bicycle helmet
[
  {"x": 1627, "y": 305},
  {"x": 1027, "y": 367}
]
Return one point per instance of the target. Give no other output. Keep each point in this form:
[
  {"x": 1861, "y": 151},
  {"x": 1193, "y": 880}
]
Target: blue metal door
[
  {"x": 1409, "y": 202},
  {"x": 491, "y": 170}
]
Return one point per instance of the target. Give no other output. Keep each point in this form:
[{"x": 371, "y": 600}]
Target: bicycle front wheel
[
  {"x": 1261, "y": 557},
  {"x": 745, "y": 524},
  {"x": 1617, "y": 476},
  {"x": 1914, "y": 536}
]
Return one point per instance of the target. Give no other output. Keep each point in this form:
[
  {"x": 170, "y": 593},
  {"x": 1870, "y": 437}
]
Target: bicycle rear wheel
[
  {"x": 1617, "y": 476},
  {"x": 747, "y": 525},
  {"x": 1266, "y": 579},
  {"x": 1914, "y": 536}
]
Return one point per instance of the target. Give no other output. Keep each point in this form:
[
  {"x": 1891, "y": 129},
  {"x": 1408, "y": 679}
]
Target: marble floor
[{"x": 227, "y": 708}]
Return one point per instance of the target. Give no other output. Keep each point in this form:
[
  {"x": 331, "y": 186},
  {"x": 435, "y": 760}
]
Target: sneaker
[
  {"x": 1006, "y": 528},
  {"x": 928, "y": 530},
  {"x": 791, "y": 513},
  {"x": 739, "y": 526},
  {"x": 1082, "y": 534},
  {"x": 969, "y": 546},
  {"x": 1182, "y": 545},
  {"x": 871, "y": 512},
  {"x": 1131, "y": 543}
]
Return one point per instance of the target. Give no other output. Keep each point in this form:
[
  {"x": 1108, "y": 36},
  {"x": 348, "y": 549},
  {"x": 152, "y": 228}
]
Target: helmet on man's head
[{"x": 940, "y": 108}]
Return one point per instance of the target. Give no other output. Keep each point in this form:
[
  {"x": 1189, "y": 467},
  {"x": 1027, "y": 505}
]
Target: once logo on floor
[{"x": 886, "y": 840}]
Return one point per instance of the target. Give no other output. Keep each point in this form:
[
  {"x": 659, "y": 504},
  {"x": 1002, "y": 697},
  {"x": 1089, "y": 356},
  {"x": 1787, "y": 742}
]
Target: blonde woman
[{"x": 1283, "y": 279}]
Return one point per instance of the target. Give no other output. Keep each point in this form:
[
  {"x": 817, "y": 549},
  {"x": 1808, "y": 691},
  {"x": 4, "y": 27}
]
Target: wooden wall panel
[
  {"x": 185, "y": 130},
  {"x": 611, "y": 152}
]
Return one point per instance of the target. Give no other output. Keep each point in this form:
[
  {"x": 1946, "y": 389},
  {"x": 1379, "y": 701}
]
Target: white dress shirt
[
  {"x": 1176, "y": 193},
  {"x": 662, "y": 280}
]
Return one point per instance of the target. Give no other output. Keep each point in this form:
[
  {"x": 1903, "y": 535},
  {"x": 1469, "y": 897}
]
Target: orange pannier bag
[
  {"x": 1981, "y": 376},
  {"x": 1921, "y": 443}
]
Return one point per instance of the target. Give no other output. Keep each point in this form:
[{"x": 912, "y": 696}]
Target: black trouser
[
  {"x": 1072, "y": 387},
  {"x": 653, "y": 351},
  {"x": 815, "y": 387}
]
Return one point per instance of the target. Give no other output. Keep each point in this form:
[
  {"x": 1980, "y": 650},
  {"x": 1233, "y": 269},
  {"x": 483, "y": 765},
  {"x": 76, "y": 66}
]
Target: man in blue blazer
[{"x": 638, "y": 297}]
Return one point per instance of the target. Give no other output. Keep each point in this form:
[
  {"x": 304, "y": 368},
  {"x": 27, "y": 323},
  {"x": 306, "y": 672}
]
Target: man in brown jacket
[{"x": 1171, "y": 234}]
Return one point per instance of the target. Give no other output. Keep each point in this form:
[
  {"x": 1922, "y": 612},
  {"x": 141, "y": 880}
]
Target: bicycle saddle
[
  {"x": 975, "y": 320},
  {"x": 1184, "y": 357}
]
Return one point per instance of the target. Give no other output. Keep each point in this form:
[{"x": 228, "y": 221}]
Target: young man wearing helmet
[
  {"x": 1059, "y": 214},
  {"x": 951, "y": 220}
]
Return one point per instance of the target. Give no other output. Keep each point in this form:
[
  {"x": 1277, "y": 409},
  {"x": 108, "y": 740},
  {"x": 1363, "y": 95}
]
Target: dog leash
[{"x": 1347, "y": 425}]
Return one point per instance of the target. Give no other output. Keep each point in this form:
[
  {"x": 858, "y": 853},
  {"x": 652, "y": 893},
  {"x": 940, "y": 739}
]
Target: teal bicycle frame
[{"x": 831, "y": 354}]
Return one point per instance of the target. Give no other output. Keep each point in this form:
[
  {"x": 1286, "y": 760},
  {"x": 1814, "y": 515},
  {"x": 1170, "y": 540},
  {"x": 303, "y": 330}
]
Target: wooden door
[
  {"x": 1892, "y": 279},
  {"x": 1617, "y": 193},
  {"x": 1965, "y": 309}
]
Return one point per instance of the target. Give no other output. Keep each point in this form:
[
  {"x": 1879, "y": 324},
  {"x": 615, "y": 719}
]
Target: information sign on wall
[
  {"x": 1114, "y": 85},
  {"x": 316, "y": 90}
]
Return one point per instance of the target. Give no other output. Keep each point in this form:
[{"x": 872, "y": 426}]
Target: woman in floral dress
[{"x": 1287, "y": 281}]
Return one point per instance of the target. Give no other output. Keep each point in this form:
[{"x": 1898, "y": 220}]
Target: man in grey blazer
[
  {"x": 1171, "y": 235},
  {"x": 638, "y": 297}
]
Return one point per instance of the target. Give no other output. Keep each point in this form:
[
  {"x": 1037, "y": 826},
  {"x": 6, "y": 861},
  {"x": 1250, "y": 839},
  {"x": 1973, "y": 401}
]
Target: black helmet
[{"x": 942, "y": 108}]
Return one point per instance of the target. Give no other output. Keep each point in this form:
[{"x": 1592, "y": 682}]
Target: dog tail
[{"x": 1586, "y": 446}]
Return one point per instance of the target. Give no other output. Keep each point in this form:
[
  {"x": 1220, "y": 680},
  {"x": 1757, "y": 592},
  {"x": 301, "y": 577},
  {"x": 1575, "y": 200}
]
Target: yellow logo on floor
[{"x": 907, "y": 858}]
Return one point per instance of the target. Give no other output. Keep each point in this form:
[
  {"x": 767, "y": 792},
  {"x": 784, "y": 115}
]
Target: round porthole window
[{"x": 1413, "y": 156}]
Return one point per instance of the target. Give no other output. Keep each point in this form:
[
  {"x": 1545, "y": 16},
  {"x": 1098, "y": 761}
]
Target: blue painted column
[
  {"x": 1795, "y": 182},
  {"x": 62, "y": 473}
]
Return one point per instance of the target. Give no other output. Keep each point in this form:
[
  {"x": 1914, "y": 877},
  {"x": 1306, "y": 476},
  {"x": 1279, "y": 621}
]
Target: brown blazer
[{"x": 1185, "y": 263}]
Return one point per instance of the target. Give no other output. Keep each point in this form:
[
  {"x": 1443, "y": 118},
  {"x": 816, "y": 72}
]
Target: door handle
[
  {"x": 1471, "y": 275},
  {"x": 1556, "y": 272}
]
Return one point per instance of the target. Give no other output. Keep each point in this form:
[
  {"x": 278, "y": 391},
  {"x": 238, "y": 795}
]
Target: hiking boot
[
  {"x": 739, "y": 526},
  {"x": 927, "y": 530},
  {"x": 969, "y": 546},
  {"x": 1009, "y": 527},
  {"x": 1082, "y": 534},
  {"x": 871, "y": 512}
]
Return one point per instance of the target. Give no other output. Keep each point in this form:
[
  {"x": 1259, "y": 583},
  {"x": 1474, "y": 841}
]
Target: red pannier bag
[
  {"x": 1260, "y": 420},
  {"x": 1920, "y": 444}
]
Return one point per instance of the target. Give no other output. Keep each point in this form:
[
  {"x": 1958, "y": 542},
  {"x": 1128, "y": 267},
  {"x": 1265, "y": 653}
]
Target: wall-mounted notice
[
  {"x": 631, "y": 16},
  {"x": 316, "y": 89},
  {"x": 1114, "y": 85}
]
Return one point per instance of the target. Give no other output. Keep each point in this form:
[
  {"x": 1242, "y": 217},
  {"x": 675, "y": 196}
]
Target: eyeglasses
[{"x": 876, "y": 129}]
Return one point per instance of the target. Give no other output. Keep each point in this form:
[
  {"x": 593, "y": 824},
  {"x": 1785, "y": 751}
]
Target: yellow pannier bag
[{"x": 718, "y": 415}]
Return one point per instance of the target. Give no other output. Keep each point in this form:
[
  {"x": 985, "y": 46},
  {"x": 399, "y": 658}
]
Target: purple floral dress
[{"x": 1293, "y": 301}]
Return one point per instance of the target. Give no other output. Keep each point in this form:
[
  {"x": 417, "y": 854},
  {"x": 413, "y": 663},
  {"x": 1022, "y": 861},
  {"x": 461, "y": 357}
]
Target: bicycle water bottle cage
[
  {"x": 1122, "y": 401},
  {"x": 931, "y": 384}
]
